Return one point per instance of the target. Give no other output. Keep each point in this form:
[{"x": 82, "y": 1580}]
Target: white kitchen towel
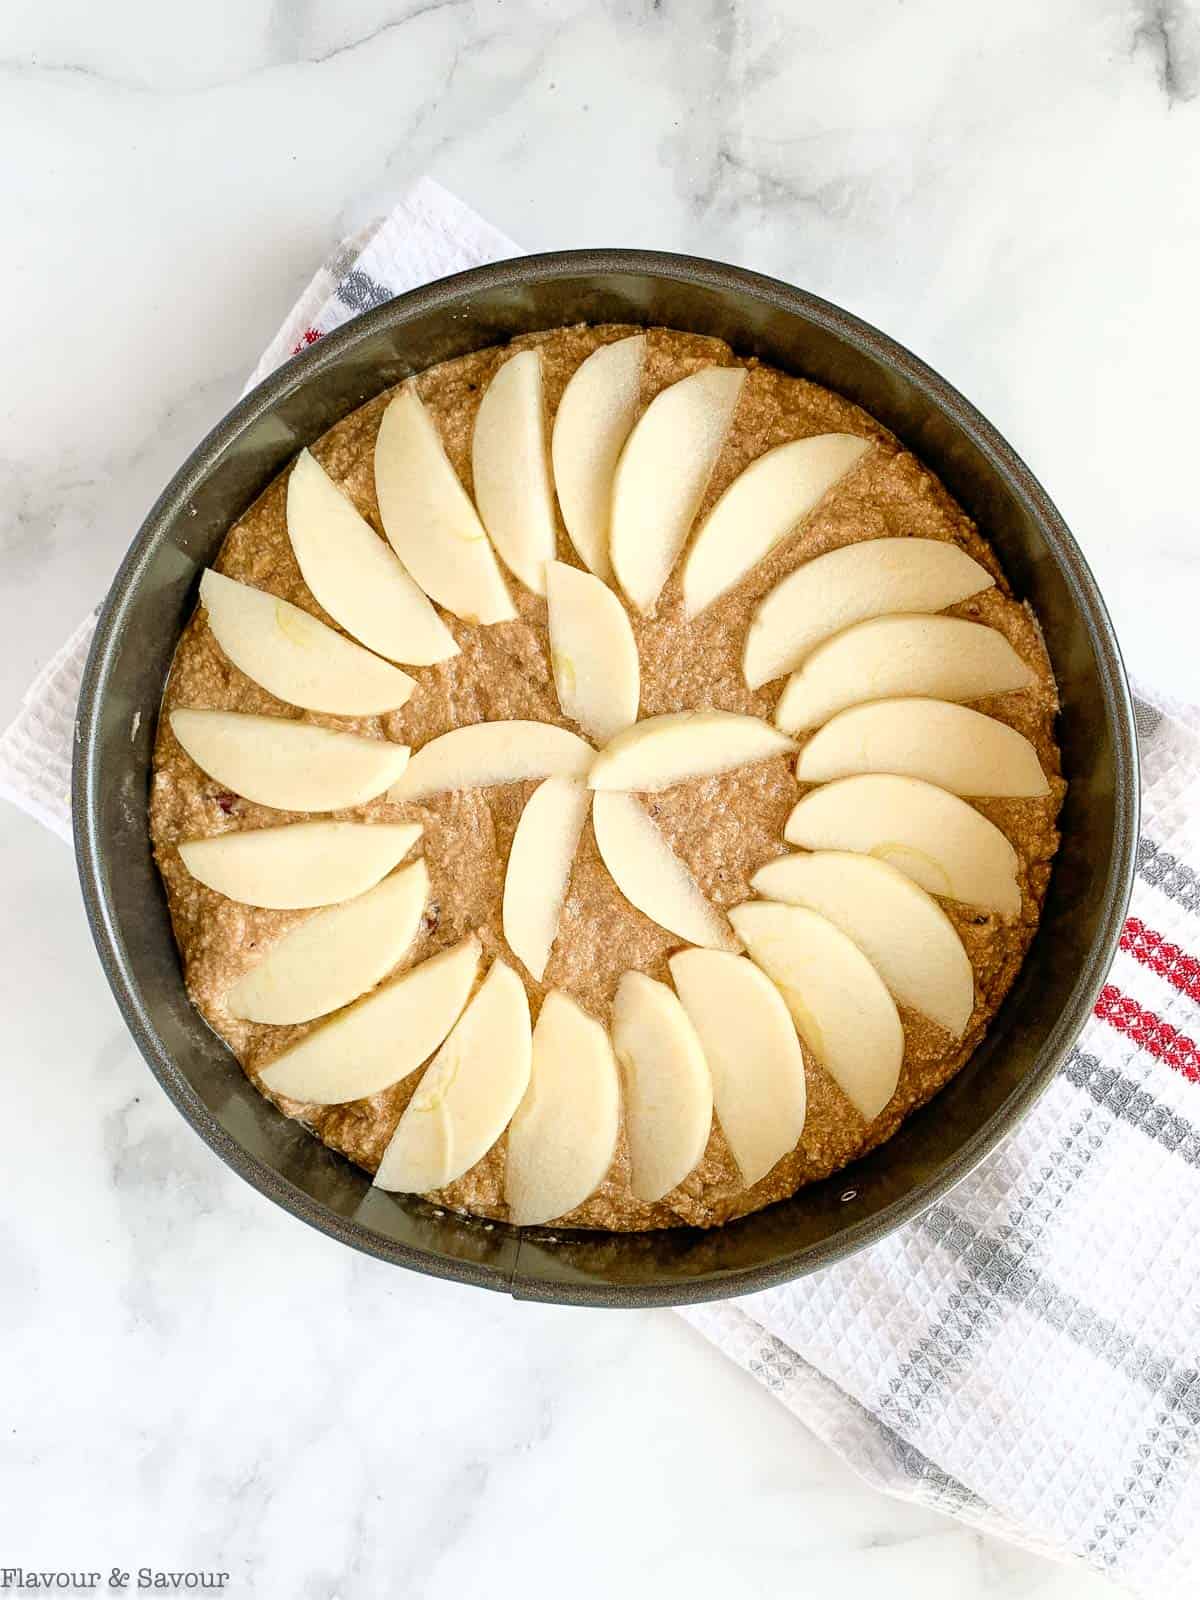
[{"x": 1025, "y": 1355}]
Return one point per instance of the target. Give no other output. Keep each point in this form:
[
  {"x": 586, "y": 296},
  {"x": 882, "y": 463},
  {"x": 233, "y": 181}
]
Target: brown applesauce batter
[{"x": 723, "y": 827}]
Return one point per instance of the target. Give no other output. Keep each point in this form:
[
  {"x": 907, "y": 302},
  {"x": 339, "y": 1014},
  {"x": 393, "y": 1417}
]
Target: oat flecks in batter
[{"x": 723, "y": 828}]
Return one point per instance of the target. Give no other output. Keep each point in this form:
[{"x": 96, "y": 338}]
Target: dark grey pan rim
[{"x": 444, "y": 295}]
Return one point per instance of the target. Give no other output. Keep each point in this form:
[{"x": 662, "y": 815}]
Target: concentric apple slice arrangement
[{"x": 846, "y": 933}]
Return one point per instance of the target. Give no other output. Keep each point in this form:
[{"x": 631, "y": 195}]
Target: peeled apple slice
[
  {"x": 593, "y": 652},
  {"x": 511, "y": 469},
  {"x": 668, "y": 1087},
  {"x": 932, "y": 836},
  {"x": 597, "y": 410},
  {"x": 564, "y": 1134},
  {"x": 429, "y": 519},
  {"x": 300, "y": 865},
  {"x": 839, "y": 1003},
  {"x": 295, "y": 657},
  {"x": 662, "y": 474},
  {"x": 868, "y": 579},
  {"x": 904, "y": 934},
  {"x": 383, "y": 1038},
  {"x": 355, "y": 577},
  {"x": 669, "y": 749},
  {"x": 292, "y": 766},
  {"x": 942, "y": 657},
  {"x": 487, "y": 753},
  {"x": 761, "y": 507},
  {"x": 949, "y": 745},
  {"x": 468, "y": 1094},
  {"x": 651, "y": 876},
  {"x": 335, "y": 956},
  {"x": 539, "y": 868},
  {"x": 757, "y": 1068}
]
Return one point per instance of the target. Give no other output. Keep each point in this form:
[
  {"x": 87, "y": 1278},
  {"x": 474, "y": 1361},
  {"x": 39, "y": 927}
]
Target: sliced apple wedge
[
  {"x": 902, "y": 931},
  {"x": 468, "y": 1094},
  {"x": 762, "y": 506},
  {"x": 539, "y": 868},
  {"x": 429, "y": 519},
  {"x": 595, "y": 414},
  {"x": 593, "y": 652},
  {"x": 651, "y": 876},
  {"x": 757, "y": 1068},
  {"x": 383, "y": 1038},
  {"x": 295, "y": 657},
  {"x": 945, "y": 658},
  {"x": 868, "y": 579},
  {"x": 335, "y": 956},
  {"x": 932, "y": 836},
  {"x": 355, "y": 577},
  {"x": 487, "y": 753},
  {"x": 511, "y": 469},
  {"x": 670, "y": 749},
  {"x": 838, "y": 1001},
  {"x": 668, "y": 1087},
  {"x": 949, "y": 745},
  {"x": 564, "y": 1134},
  {"x": 661, "y": 476},
  {"x": 291, "y": 766},
  {"x": 300, "y": 865}
]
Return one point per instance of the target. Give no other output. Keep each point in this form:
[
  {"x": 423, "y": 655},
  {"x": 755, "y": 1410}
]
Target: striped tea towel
[{"x": 1025, "y": 1355}]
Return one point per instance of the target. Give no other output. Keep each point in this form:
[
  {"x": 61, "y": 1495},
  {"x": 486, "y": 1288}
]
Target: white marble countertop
[{"x": 195, "y": 1380}]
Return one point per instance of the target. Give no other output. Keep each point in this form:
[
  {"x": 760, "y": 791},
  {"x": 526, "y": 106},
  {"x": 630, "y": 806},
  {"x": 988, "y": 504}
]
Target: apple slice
[
  {"x": 661, "y": 476},
  {"x": 355, "y": 577},
  {"x": 335, "y": 956},
  {"x": 757, "y": 1068},
  {"x": 564, "y": 1134},
  {"x": 300, "y": 865},
  {"x": 902, "y": 931},
  {"x": 429, "y": 519},
  {"x": 593, "y": 652},
  {"x": 292, "y": 766},
  {"x": 651, "y": 876},
  {"x": 868, "y": 579},
  {"x": 942, "y": 657},
  {"x": 661, "y": 751},
  {"x": 295, "y": 657},
  {"x": 487, "y": 753},
  {"x": 668, "y": 1087},
  {"x": 468, "y": 1094},
  {"x": 762, "y": 506},
  {"x": 952, "y": 746},
  {"x": 539, "y": 868},
  {"x": 595, "y": 414},
  {"x": 512, "y": 471},
  {"x": 838, "y": 1001},
  {"x": 938, "y": 840},
  {"x": 381, "y": 1039}
]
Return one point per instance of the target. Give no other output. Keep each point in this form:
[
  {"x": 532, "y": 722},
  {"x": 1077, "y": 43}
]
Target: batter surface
[{"x": 723, "y": 827}]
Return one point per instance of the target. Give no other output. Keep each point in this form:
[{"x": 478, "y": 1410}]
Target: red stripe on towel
[
  {"x": 1163, "y": 1041},
  {"x": 1181, "y": 970}
]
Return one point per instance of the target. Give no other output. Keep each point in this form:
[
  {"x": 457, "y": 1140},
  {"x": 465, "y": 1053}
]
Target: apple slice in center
[
  {"x": 661, "y": 751},
  {"x": 838, "y": 1001},
  {"x": 511, "y": 469},
  {"x": 651, "y": 876},
  {"x": 564, "y": 1134},
  {"x": 469, "y": 1091},
  {"x": 759, "y": 1090},
  {"x": 662, "y": 474},
  {"x": 487, "y": 753},
  {"x": 539, "y": 868},
  {"x": 593, "y": 652}
]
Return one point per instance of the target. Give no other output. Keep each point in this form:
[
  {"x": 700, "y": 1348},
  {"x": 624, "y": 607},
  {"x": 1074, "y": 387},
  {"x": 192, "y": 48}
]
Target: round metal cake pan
[{"x": 155, "y": 591}]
